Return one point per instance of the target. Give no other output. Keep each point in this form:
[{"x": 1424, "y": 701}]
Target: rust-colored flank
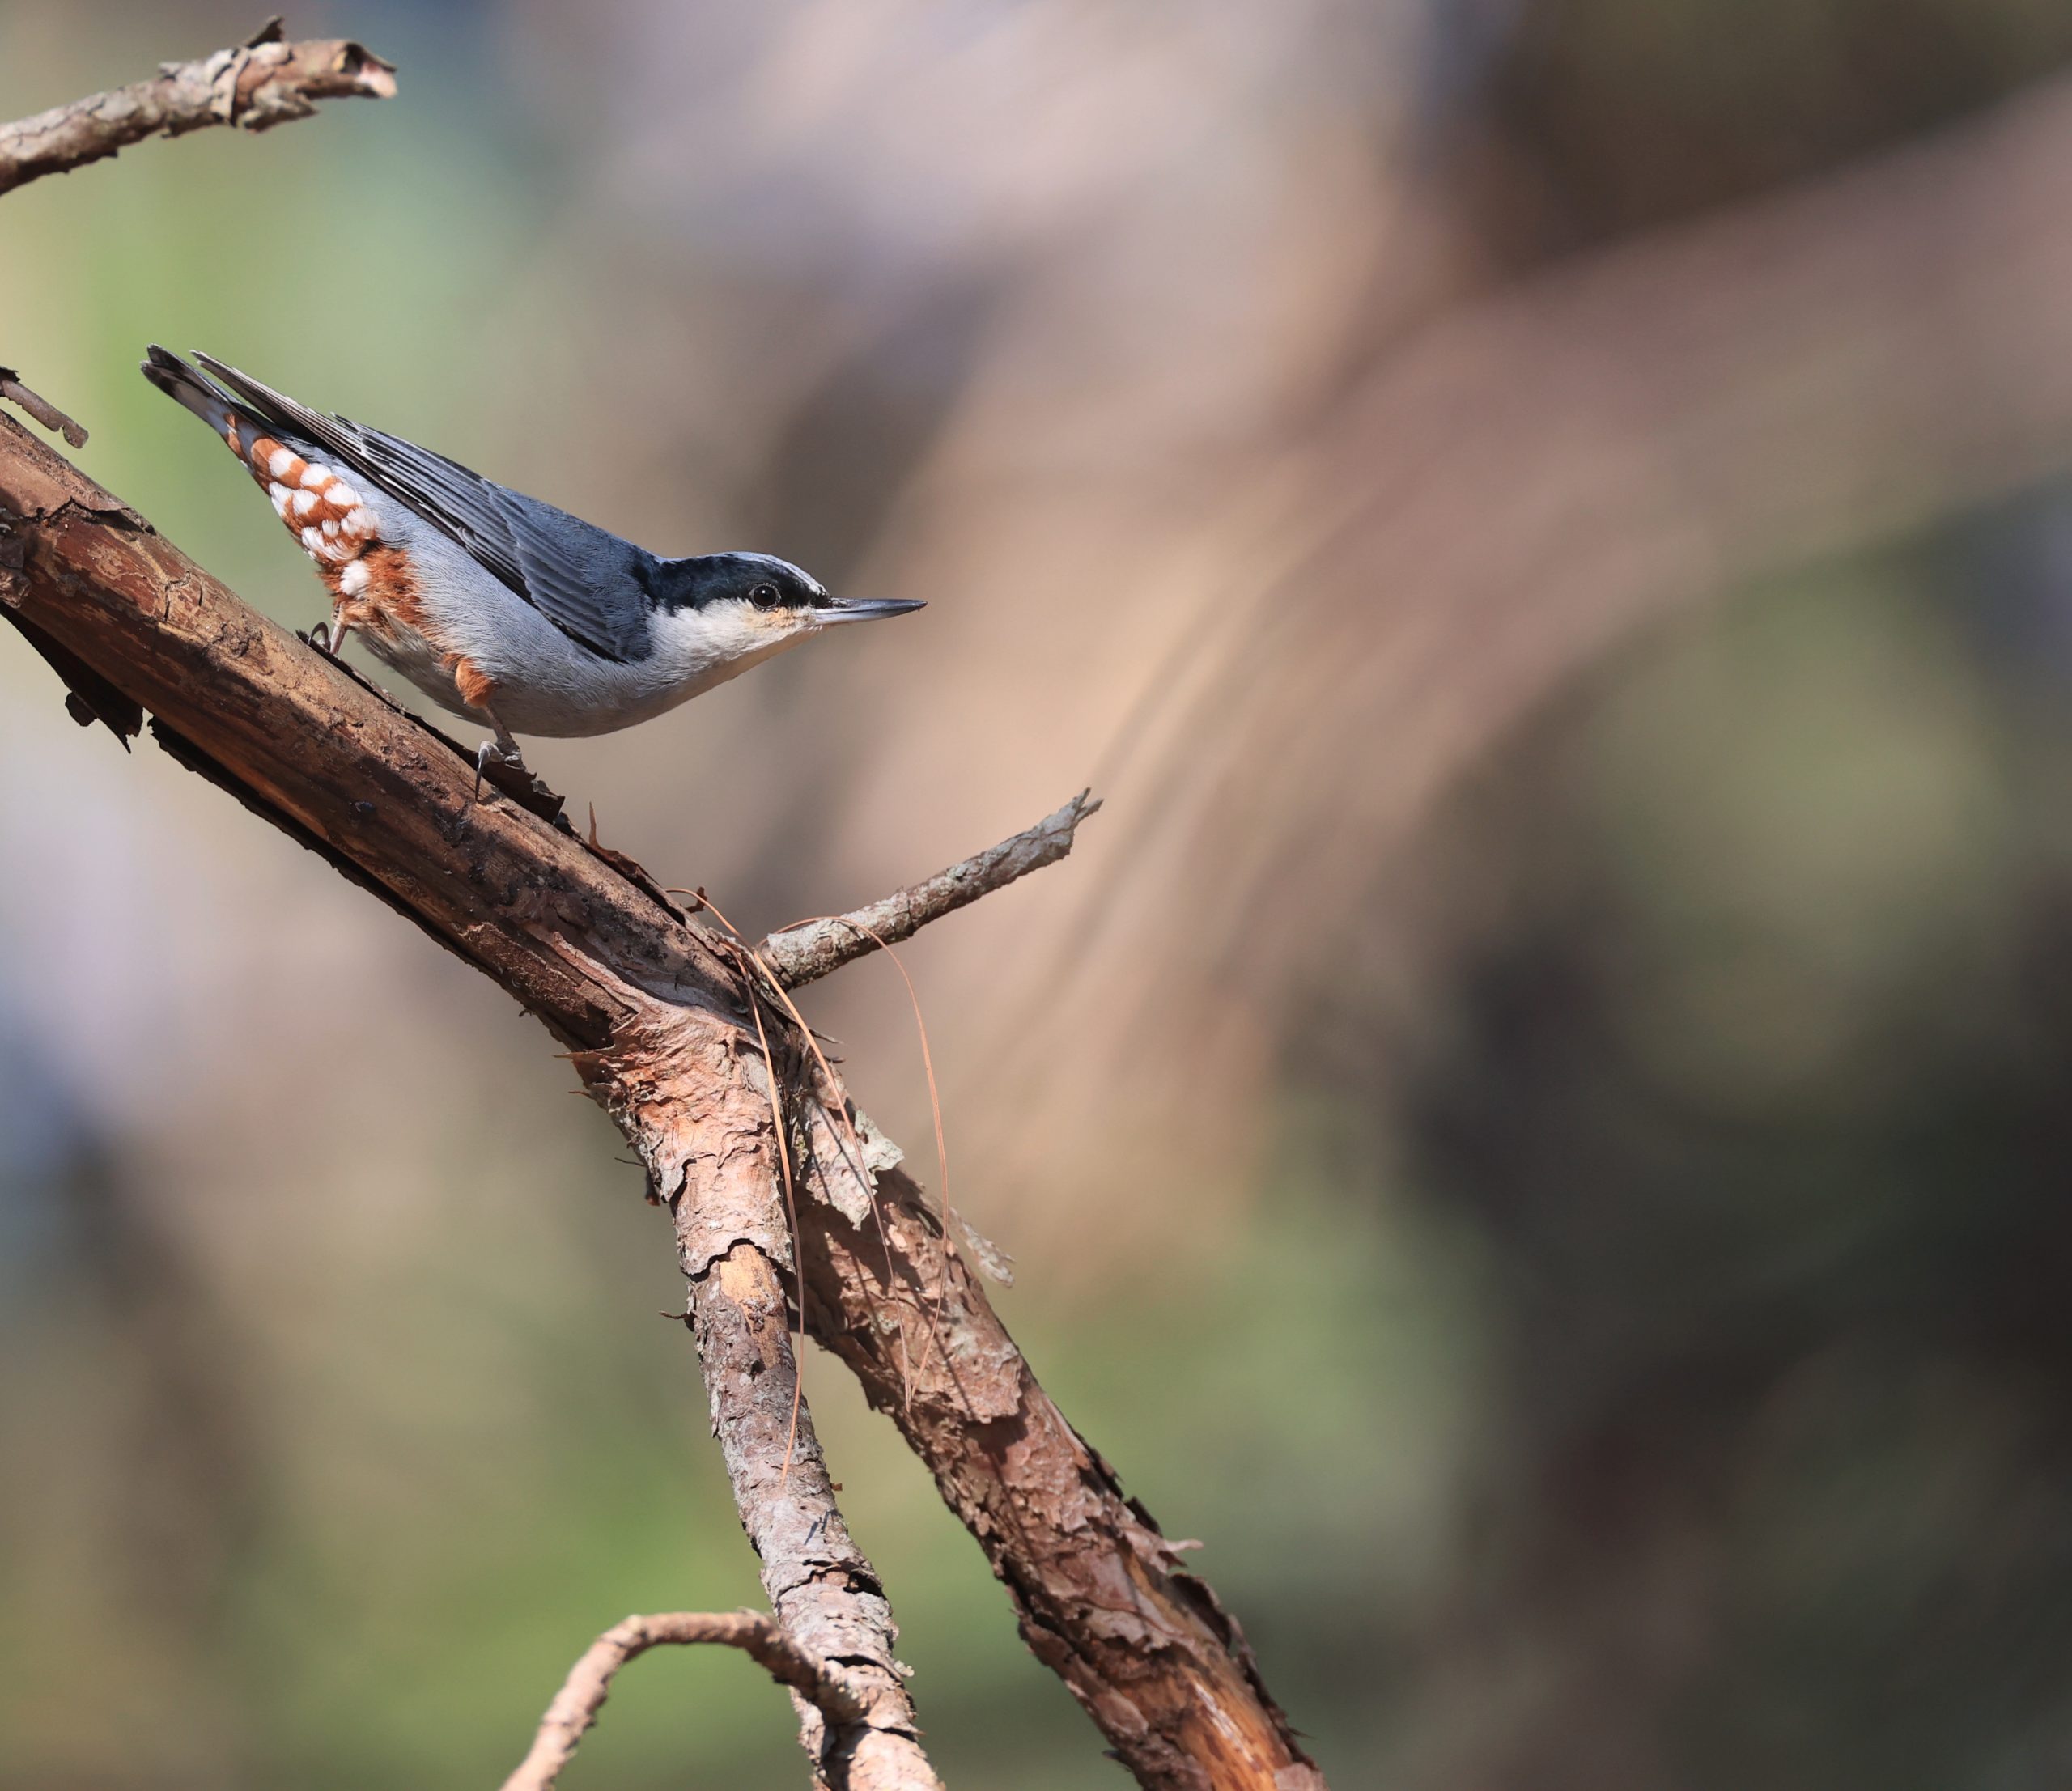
[{"x": 477, "y": 688}]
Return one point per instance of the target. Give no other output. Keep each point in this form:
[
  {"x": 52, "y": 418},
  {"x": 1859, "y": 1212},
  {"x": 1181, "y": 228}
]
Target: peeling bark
[
  {"x": 688, "y": 1088},
  {"x": 1102, "y": 1599}
]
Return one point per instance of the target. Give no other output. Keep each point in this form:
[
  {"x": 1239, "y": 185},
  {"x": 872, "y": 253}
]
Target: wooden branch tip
[
  {"x": 44, "y": 412},
  {"x": 813, "y": 948},
  {"x": 828, "y": 1688},
  {"x": 255, "y": 85}
]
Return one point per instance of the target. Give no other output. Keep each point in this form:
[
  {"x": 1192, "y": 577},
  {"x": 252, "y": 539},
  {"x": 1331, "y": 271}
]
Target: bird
[{"x": 497, "y": 606}]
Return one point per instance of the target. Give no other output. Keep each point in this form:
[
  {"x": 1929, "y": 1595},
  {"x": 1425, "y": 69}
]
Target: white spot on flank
[
  {"x": 361, "y": 522},
  {"x": 313, "y": 539},
  {"x": 315, "y": 477},
  {"x": 330, "y": 525},
  {"x": 280, "y": 495},
  {"x": 352, "y": 580},
  {"x": 343, "y": 496},
  {"x": 304, "y": 503},
  {"x": 278, "y": 462}
]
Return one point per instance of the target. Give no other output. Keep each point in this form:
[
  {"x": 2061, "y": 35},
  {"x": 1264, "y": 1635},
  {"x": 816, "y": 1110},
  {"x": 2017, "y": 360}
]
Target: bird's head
[
  {"x": 717, "y": 614},
  {"x": 750, "y": 606}
]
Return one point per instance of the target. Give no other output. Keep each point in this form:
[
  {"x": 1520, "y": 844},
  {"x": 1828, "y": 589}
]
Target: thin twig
[
  {"x": 589, "y": 1682},
  {"x": 806, "y": 953},
  {"x": 255, "y": 85},
  {"x": 44, "y": 412}
]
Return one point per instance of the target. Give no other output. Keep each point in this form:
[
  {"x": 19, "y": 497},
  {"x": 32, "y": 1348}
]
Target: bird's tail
[{"x": 208, "y": 401}]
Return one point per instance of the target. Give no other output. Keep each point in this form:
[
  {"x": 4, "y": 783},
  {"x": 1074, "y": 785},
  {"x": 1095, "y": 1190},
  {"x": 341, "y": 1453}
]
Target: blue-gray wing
[{"x": 589, "y": 583}]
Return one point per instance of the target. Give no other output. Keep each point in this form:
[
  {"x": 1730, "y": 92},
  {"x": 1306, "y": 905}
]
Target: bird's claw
[{"x": 489, "y": 750}]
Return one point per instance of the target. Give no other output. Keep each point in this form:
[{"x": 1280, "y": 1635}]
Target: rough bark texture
[
  {"x": 660, "y": 1015},
  {"x": 1102, "y": 1601},
  {"x": 689, "y": 1087},
  {"x": 828, "y": 1689},
  {"x": 256, "y": 86}
]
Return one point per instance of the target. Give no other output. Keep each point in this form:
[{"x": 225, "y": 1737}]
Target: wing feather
[{"x": 587, "y": 582}]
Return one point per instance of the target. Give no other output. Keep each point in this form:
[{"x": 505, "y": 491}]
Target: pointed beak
[{"x": 849, "y": 609}]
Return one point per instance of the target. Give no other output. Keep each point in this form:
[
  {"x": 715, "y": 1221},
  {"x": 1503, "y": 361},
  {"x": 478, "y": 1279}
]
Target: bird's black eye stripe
[{"x": 764, "y": 596}]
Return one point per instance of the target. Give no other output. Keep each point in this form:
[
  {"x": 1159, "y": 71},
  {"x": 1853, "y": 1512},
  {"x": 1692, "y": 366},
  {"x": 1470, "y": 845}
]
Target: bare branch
[
  {"x": 259, "y": 84},
  {"x": 576, "y": 1706},
  {"x": 44, "y": 412},
  {"x": 1146, "y": 1647},
  {"x": 806, "y": 953},
  {"x": 710, "y": 1145},
  {"x": 659, "y": 1016}
]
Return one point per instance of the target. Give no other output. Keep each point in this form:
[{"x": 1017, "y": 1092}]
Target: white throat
[{"x": 692, "y": 650}]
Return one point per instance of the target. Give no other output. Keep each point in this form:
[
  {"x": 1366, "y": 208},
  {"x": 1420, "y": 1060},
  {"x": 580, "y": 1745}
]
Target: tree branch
[
  {"x": 662, "y": 1018},
  {"x": 691, "y": 1089},
  {"x": 812, "y": 949},
  {"x": 44, "y": 412},
  {"x": 1145, "y": 1647},
  {"x": 261, "y": 83},
  {"x": 582, "y": 1695}
]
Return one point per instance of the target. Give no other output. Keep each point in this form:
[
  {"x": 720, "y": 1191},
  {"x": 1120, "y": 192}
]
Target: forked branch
[{"x": 662, "y": 1023}]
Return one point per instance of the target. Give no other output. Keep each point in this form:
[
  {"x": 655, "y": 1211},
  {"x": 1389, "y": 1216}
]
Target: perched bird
[{"x": 495, "y": 606}]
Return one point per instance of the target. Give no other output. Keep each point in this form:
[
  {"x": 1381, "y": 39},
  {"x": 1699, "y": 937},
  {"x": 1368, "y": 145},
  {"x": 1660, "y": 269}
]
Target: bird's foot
[
  {"x": 505, "y": 752},
  {"x": 328, "y": 638}
]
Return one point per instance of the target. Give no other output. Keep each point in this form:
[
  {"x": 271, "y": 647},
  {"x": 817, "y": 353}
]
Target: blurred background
[{"x": 1535, "y": 1122}]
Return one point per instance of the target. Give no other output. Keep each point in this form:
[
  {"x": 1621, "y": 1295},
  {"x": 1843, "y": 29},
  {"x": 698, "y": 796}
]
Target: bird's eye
[{"x": 764, "y": 596}]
